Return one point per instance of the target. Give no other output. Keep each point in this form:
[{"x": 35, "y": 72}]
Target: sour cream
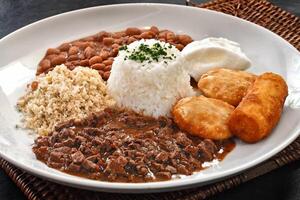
[{"x": 204, "y": 55}]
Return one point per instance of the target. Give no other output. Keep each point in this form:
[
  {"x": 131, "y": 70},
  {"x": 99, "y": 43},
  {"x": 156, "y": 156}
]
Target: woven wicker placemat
[{"x": 258, "y": 11}]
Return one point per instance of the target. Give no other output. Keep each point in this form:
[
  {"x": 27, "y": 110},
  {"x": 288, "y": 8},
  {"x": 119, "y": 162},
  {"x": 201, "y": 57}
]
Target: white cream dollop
[{"x": 204, "y": 55}]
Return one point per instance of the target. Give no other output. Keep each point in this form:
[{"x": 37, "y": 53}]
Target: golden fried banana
[{"x": 260, "y": 110}]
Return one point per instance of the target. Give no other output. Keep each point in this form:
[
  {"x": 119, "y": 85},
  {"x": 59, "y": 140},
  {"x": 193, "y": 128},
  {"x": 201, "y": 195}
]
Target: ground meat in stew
[{"x": 123, "y": 146}]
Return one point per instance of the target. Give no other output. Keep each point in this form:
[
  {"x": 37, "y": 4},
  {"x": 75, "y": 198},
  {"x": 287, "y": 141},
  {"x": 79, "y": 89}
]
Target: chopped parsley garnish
[
  {"x": 122, "y": 48},
  {"x": 149, "y": 54}
]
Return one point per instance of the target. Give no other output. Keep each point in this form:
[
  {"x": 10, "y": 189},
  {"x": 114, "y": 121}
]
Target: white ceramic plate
[{"x": 21, "y": 51}]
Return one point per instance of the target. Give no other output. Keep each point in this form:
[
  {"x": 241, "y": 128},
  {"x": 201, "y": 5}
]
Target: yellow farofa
[{"x": 61, "y": 95}]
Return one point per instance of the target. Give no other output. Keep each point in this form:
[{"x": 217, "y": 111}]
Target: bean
[
  {"x": 89, "y": 52},
  {"x": 51, "y": 51},
  {"x": 108, "y": 41},
  {"x": 138, "y": 37},
  {"x": 118, "y": 41},
  {"x": 68, "y": 64},
  {"x": 107, "y": 62},
  {"x": 81, "y": 45},
  {"x": 104, "y": 55},
  {"x": 64, "y": 54},
  {"x": 179, "y": 46},
  {"x": 114, "y": 52},
  {"x": 131, "y": 39},
  {"x": 115, "y": 46},
  {"x": 71, "y": 67},
  {"x": 107, "y": 68},
  {"x": 45, "y": 64},
  {"x": 118, "y": 35},
  {"x": 162, "y": 39},
  {"x": 101, "y": 73},
  {"x": 81, "y": 56},
  {"x": 133, "y": 31},
  {"x": 184, "y": 39},
  {"x": 170, "y": 36},
  {"x": 76, "y": 63},
  {"x": 95, "y": 59},
  {"x": 162, "y": 34},
  {"x": 106, "y": 75},
  {"x": 101, "y": 35},
  {"x": 87, "y": 39},
  {"x": 73, "y": 57},
  {"x": 125, "y": 40},
  {"x": 111, "y": 58},
  {"x": 73, "y": 50},
  {"x": 50, "y": 57},
  {"x": 84, "y": 62},
  {"x": 154, "y": 30},
  {"x": 98, "y": 66},
  {"x": 64, "y": 47},
  {"x": 34, "y": 85},
  {"x": 39, "y": 71},
  {"x": 147, "y": 35},
  {"x": 58, "y": 60}
]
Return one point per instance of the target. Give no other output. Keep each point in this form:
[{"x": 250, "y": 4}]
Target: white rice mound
[
  {"x": 149, "y": 88},
  {"x": 62, "y": 95}
]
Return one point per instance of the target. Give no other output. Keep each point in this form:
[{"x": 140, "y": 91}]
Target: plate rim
[{"x": 151, "y": 186}]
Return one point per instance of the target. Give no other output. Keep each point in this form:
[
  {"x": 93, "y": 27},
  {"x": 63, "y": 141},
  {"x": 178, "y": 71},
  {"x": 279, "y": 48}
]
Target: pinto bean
[
  {"x": 64, "y": 54},
  {"x": 114, "y": 52},
  {"x": 101, "y": 73},
  {"x": 118, "y": 35},
  {"x": 107, "y": 68},
  {"x": 104, "y": 55},
  {"x": 64, "y": 47},
  {"x": 133, "y": 31},
  {"x": 58, "y": 60},
  {"x": 179, "y": 46},
  {"x": 73, "y": 50},
  {"x": 84, "y": 62},
  {"x": 106, "y": 75},
  {"x": 81, "y": 45},
  {"x": 147, "y": 35},
  {"x": 73, "y": 57},
  {"x": 87, "y": 39},
  {"x": 170, "y": 36},
  {"x": 131, "y": 40},
  {"x": 162, "y": 34},
  {"x": 51, "y": 51},
  {"x": 115, "y": 46},
  {"x": 101, "y": 35},
  {"x": 45, "y": 64},
  {"x": 119, "y": 41},
  {"x": 108, "y": 41},
  {"x": 89, "y": 52},
  {"x": 34, "y": 85},
  {"x": 107, "y": 62},
  {"x": 98, "y": 66},
  {"x": 154, "y": 30},
  {"x": 75, "y": 62},
  {"x": 95, "y": 59},
  {"x": 184, "y": 39}
]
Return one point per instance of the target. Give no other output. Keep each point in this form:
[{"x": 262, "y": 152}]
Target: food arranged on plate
[{"x": 121, "y": 106}]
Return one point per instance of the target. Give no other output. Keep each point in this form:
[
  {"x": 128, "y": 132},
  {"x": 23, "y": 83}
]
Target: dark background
[{"x": 283, "y": 183}]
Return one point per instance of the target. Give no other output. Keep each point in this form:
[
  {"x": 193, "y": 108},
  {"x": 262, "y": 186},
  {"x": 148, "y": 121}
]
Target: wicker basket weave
[{"x": 258, "y": 11}]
